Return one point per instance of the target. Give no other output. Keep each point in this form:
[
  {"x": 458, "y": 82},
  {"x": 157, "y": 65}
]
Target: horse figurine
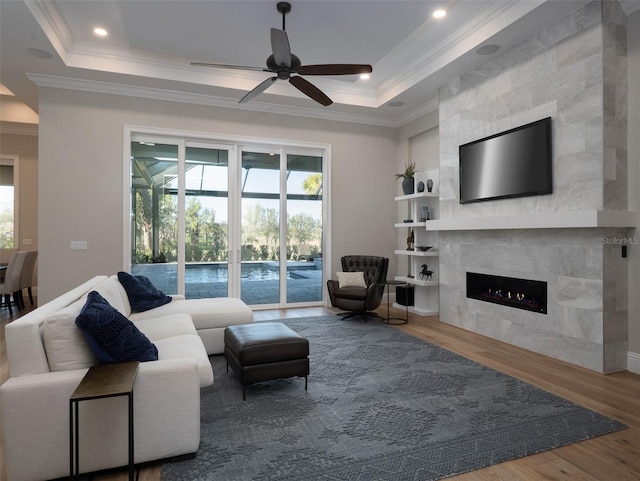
[
  {"x": 425, "y": 272},
  {"x": 410, "y": 241}
]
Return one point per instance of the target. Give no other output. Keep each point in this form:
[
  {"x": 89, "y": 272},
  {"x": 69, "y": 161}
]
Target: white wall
[{"x": 82, "y": 185}]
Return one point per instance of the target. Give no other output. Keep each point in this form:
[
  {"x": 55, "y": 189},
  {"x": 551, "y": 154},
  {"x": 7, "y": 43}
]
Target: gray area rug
[{"x": 381, "y": 405}]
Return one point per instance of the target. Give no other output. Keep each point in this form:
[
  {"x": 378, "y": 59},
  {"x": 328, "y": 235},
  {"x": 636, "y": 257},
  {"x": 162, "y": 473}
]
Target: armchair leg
[{"x": 364, "y": 314}]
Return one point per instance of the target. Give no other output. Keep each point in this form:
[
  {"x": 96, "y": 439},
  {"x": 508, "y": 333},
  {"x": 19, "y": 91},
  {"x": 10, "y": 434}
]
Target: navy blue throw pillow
[
  {"x": 142, "y": 294},
  {"x": 111, "y": 336}
]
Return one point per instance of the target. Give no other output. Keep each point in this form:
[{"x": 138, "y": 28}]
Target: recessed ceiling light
[
  {"x": 365, "y": 76},
  {"x": 488, "y": 49},
  {"x": 100, "y": 32},
  {"x": 439, "y": 13},
  {"x": 38, "y": 52}
]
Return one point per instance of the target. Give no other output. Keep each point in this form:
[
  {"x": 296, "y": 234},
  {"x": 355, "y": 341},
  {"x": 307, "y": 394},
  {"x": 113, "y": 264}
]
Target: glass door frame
[{"x": 237, "y": 144}]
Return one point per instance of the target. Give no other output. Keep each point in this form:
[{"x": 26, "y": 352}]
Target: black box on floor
[{"x": 404, "y": 295}]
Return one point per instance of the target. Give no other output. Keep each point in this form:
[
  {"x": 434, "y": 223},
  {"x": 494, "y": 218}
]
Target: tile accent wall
[{"x": 574, "y": 71}]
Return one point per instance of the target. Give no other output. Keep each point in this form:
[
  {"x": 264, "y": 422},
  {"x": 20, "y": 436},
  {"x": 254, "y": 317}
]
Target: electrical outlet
[{"x": 78, "y": 245}]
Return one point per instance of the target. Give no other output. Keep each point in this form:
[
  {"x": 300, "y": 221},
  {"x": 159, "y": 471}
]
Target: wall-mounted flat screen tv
[{"x": 514, "y": 163}]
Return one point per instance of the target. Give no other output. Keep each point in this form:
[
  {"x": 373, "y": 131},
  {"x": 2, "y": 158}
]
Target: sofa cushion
[
  {"x": 156, "y": 328},
  {"x": 354, "y": 293},
  {"x": 112, "y": 291},
  {"x": 142, "y": 294},
  {"x": 113, "y": 337},
  {"x": 188, "y": 346},
  {"x": 65, "y": 344}
]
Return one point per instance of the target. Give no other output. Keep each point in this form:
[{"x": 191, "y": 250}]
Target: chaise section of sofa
[{"x": 210, "y": 317}]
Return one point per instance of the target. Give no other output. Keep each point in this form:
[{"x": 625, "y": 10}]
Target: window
[
  {"x": 223, "y": 219},
  {"x": 8, "y": 202}
]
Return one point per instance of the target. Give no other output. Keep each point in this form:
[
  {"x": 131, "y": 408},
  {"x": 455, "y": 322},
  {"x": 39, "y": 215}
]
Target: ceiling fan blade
[
  {"x": 280, "y": 48},
  {"x": 334, "y": 69},
  {"x": 258, "y": 89},
  {"x": 310, "y": 90},
  {"x": 226, "y": 65}
]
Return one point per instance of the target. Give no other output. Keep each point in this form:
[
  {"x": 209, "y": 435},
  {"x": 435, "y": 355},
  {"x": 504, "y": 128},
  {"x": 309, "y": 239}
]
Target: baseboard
[{"x": 633, "y": 362}]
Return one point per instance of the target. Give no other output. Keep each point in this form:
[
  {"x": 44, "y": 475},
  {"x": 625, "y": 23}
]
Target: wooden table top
[{"x": 107, "y": 380}]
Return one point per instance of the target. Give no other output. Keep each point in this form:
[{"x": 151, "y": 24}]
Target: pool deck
[{"x": 305, "y": 284}]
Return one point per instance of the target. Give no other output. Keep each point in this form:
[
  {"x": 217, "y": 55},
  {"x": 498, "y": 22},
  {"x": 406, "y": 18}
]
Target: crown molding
[
  {"x": 122, "y": 61},
  {"x": 128, "y": 62},
  {"x": 199, "y": 99},
  {"x": 18, "y": 128},
  {"x": 53, "y": 25},
  {"x": 426, "y": 108}
]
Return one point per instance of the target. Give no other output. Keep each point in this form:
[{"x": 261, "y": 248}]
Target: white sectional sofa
[{"x": 48, "y": 356}]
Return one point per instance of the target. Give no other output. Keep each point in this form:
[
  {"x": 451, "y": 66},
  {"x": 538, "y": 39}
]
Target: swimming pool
[
  {"x": 219, "y": 273},
  {"x": 260, "y": 283}
]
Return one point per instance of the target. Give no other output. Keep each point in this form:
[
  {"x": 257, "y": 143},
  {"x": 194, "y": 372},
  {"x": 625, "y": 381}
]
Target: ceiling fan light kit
[{"x": 284, "y": 65}]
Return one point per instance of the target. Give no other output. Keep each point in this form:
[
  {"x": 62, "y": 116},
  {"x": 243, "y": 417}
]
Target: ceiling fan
[{"x": 285, "y": 64}]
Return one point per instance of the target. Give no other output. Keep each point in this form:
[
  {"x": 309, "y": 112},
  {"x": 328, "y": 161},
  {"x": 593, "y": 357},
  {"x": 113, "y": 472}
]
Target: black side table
[
  {"x": 106, "y": 380},
  {"x": 388, "y": 320}
]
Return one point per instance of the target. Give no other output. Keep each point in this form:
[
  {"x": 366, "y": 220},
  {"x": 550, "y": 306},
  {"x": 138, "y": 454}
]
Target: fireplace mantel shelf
[{"x": 551, "y": 220}]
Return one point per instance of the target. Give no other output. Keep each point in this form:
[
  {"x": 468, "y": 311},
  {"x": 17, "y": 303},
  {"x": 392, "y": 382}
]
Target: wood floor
[{"x": 614, "y": 457}]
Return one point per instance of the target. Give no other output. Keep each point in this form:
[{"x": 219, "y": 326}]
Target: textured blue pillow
[
  {"x": 111, "y": 336},
  {"x": 142, "y": 294}
]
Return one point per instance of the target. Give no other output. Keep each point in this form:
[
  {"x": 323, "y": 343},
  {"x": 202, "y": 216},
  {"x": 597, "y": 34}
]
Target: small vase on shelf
[
  {"x": 429, "y": 185},
  {"x": 425, "y": 213},
  {"x": 407, "y": 178},
  {"x": 407, "y": 185}
]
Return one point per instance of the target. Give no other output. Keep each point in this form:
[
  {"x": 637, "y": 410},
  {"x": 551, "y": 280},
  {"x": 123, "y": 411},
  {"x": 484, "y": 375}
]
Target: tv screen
[{"x": 514, "y": 163}]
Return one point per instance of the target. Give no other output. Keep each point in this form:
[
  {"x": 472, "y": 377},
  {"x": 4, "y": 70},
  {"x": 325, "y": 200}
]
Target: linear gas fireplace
[{"x": 524, "y": 294}]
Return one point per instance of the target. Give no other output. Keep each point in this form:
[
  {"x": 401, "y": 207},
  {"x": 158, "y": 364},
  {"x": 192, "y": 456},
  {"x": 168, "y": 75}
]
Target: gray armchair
[{"x": 360, "y": 300}]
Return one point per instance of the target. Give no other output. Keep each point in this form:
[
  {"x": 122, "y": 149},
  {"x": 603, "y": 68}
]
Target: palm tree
[{"x": 312, "y": 185}]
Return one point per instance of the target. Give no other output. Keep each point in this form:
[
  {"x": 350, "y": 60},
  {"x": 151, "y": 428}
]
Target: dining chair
[
  {"x": 26, "y": 276},
  {"x": 11, "y": 285}
]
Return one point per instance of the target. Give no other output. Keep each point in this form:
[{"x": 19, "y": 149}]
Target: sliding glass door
[
  {"x": 206, "y": 221},
  {"x": 260, "y": 214},
  {"x": 304, "y": 183},
  {"x": 154, "y": 213},
  {"x": 281, "y": 227},
  {"x": 215, "y": 220}
]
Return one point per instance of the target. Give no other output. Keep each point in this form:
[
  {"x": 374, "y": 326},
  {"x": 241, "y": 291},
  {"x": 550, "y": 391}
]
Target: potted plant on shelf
[{"x": 407, "y": 178}]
